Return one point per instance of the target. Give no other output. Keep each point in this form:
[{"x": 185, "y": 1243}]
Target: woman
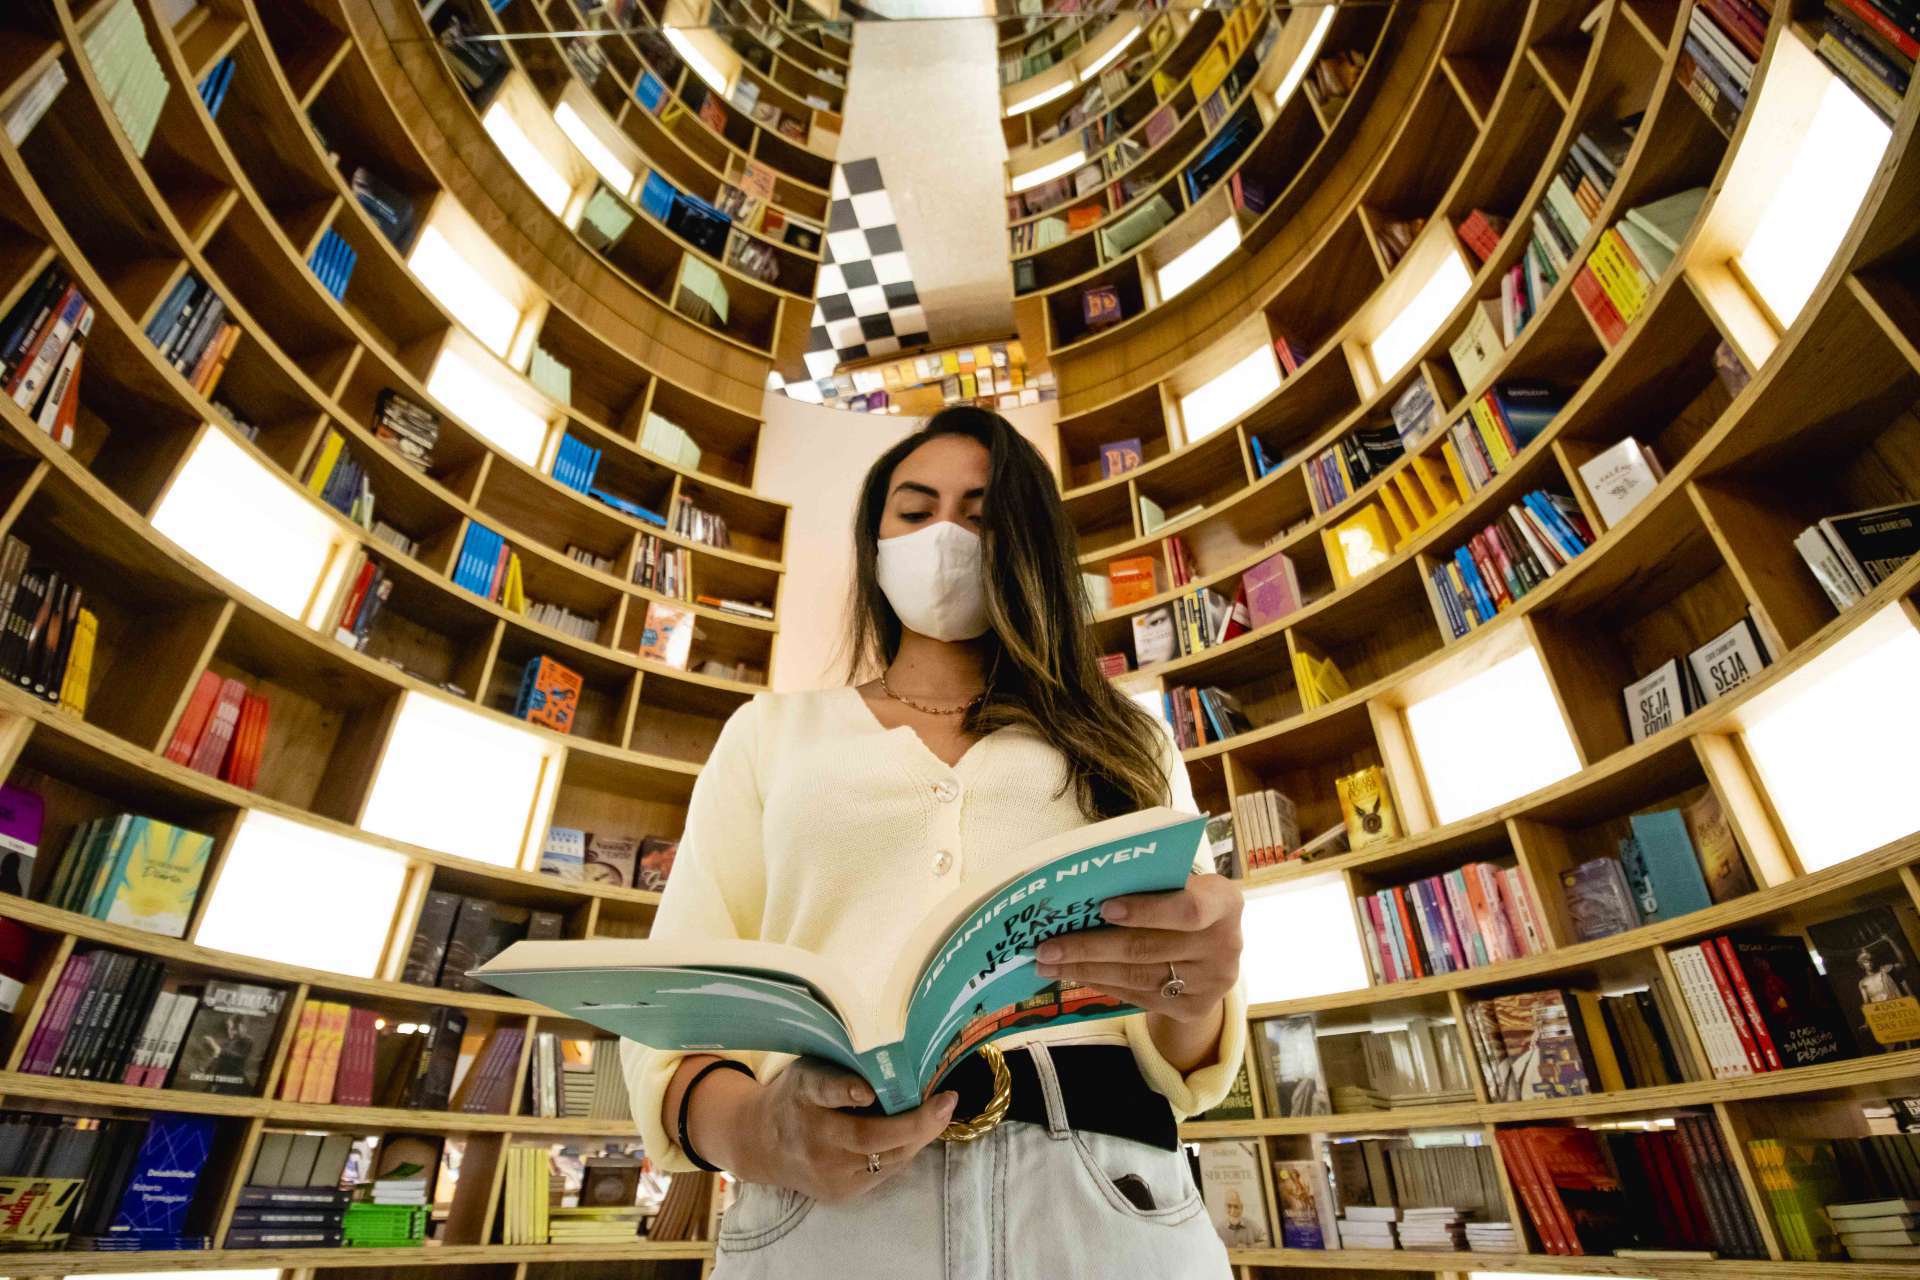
[{"x": 833, "y": 819}]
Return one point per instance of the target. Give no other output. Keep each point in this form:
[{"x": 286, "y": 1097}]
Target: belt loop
[{"x": 1050, "y": 1090}]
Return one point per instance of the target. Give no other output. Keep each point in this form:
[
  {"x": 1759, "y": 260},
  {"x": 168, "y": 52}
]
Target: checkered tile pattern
[{"x": 864, "y": 300}]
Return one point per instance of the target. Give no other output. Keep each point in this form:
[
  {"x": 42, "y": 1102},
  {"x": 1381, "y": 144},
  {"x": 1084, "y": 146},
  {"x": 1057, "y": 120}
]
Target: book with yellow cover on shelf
[
  {"x": 1359, "y": 543},
  {"x": 322, "y": 470},
  {"x": 1367, "y": 807},
  {"x": 1319, "y": 680},
  {"x": 1414, "y": 494},
  {"x": 1437, "y": 479},
  {"x": 1396, "y": 509}
]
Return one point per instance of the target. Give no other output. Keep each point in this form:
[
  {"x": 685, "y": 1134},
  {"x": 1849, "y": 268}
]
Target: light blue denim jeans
[{"x": 1026, "y": 1202}]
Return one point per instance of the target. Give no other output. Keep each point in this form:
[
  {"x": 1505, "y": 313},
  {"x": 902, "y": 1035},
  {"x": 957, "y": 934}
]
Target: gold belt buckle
[{"x": 996, "y": 1108}]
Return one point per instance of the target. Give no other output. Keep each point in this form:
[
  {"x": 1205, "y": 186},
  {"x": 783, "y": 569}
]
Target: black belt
[{"x": 1100, "y": 1086}]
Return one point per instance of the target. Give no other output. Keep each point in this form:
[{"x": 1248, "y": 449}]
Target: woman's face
[{"x": 944, "y": 479}]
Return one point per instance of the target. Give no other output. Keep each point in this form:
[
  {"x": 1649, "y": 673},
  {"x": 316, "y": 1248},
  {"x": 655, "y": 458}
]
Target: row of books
[
  {"x": 391, "y": 209},
  {"x": 738, "y": 608},
  {"x": 1618, "y": 277},
  {"x": 364, "y": 589},
  {"x": 123, "y": 1019},
  {"x": 1190, "y": 623},
  {"x": 490, "y": 568},
  {"x": 1841, "y": 1198},
  {"x": 1306, "y": 1073},
  {"x": 1569, "y": 1043},
  {"x": 571, "y": 853},
  {"x": 1333, "y": 79},
  {"x": 703, "y": 526},
  {"x": 1873, "y": 44},
  {"x": 1396, "y": 1196},
  {"x": 1473, "y": 916},
  {"x": 45, "y": 340},
  {"x": 547, "y": 372},
  {"x": 223, "y": 731},
  {"x": 1346, "y": 466},
  {"x": 333, "y": 1058},
  {"x": 1852, "y": 553},
  {"x": 662, "y": 567},
  {"x": 1795, "y": 1022},
  {"x": 456, "y": 935},
  {"x": 1680, "y": 685},
  {"x": 578, "y": 625},
  {"x": 549, "y": 694},
  {"x": 408, "y": 427},
  {"x": 114, "y": 1184},
  {"x": 1202, "y": 715},
  {"x": 332, "y": 262},
  {"x": 1718, "y": 57},
  {"x": 131, "y": 870},
  {"x": 1318, "y": 680},
  {"x": 1483, "y": 442},
  {"x": 1627, "y": 1191},
  {"x": 478, "y": 65},
  {"x": 192, "y": 333},
  {"x": 336, "y": 478},
  {"x": 47, "y": 634},
  {"x": 576, "y": 1078},
  {"x": 575, "y": 463},
  {"x": 747, "y": 200},
  {"x": 128, "y": 71},
  {"x": 1524, "y": 547},
  {"x": 1269, "y": 827}
]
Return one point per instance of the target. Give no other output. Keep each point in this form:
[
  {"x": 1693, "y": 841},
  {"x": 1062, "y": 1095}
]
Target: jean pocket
[
  {"x": 759, "y": 1215},
  {"x": 1110, "y": 1162}
]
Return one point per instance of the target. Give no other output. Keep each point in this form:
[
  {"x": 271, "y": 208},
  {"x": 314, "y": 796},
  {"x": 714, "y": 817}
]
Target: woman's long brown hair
[{"x": 1042, "y": 670}]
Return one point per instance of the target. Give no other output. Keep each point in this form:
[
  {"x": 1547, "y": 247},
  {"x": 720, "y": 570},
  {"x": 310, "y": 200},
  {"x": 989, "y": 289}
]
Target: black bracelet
[{"x": 686, "y": 1101}]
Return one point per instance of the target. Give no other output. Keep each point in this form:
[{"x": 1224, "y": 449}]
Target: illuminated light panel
[
  {"x": 1300, "y": 941},
  {"x": 697, "y": 59},
  {"x": 1100, "y": 63},
  {"x": 609, "y": 166},
  {"x": 478, "y": 399},
  {"x": 1473, "y": 760},
  {"x": 490, "y": 315},
  {"x": 1820, "y": 189},
  {"x": 1832, "y": 743},
  {"x": 1304, "y": 59},
  {"x": 1224, "y": 397},
  {"x": 298, "y": 895},
  {"x": 288, "y": 543},
  {"x": 1047, "y": 172},
  {"x": 527, "y": 160},
  {"x": 1403, "y": 337},
  {"x": 1199, "y": 258},
  {"x": 1042, "y": 97},
  {"x": 460, "y": 782}
]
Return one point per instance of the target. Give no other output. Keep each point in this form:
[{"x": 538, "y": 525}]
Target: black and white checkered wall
[{"x": 865, "y": 303}]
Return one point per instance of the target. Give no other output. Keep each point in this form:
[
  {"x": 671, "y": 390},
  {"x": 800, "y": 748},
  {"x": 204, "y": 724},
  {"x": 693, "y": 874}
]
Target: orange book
[
  {"x": 193, "y": 721},
  {"x": 1132, "y": 580},
  {"x": 297, "y": 1058},
  {"x": 324, "y": 1065}
]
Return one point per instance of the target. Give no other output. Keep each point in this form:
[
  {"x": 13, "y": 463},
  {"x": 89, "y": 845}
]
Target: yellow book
[
  {"x": 1329, "y": 684},
  {"x": 983, "y": 356},
  {"x": 1397, "y": 512},
  {"x": 297, "y": 1057},
  {"x": 1367, "y": 807},
  {"x": 154, "y": 877},
  {"x": 1454, "y": 469},
  {"x": 950, "y": 361},
  {"x": 329, "y": 1034},
  {"x": 1619, "y": 274},
  {"x": 1414, "y": 495},
  {"x": 1490, "y": 433},
  {"x": 1441, "y": 494},
  {"x": 323, "y": 466},
  {"x": 73, "y": 684},
  {"x": 1362, "y": 542},
  {"x": 31, "y": 1208},
  {"x": 969, "y": 388},
  {"x": 1303, "y": 681},
  {"x": 1605, "y": 1064},
  {"x": 1211, "y": 71}
]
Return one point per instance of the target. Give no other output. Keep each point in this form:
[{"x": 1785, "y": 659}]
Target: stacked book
[
  {"x": 1856, "y": 551},
  {"x": 1618, "y": 277},
  {"x": 332, "y": 261},
  {"x": 334, "y": 477},
  {"x": 1719, "y": 55},
  {"x": 129, "y": 74},
  {"x": 490, "y": 568},
  {"x": 132, "y": 870},
  {"x": 1878, "y": 1230},
  {"x": 1525, "y": 546},
  {"x": 1473, "y": 916},
  {"x": 47, "y": 635},
  {"x": 1480, "y": 231},
  {"x": 192, "y": 333},
  {"x": 410, "y": 428},
  {"x": 1367, "y": 1226},
  {"x": 41, "y": 345},
  {"x": 1439, "y": 1229},
  {"x": 575, "y": 463},
  {"x": 223, "y": 731},
  {"x": 392, "y": 1212},
  {"x": 1873, "y": 43},
  {"x": 1417, "y": 1065},
  {"x": 292, "y": 1198},
  {"x": 699, "y": 524},
  {"x": 664, "y": 439}
]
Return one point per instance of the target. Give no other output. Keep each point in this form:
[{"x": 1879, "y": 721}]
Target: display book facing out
[{"x": 965, "y": 975}]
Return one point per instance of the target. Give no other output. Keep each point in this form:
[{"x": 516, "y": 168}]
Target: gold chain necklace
[{"x": 921, "y": 706}]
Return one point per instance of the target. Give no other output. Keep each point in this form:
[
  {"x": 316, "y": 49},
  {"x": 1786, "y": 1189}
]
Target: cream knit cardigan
[{"x": 814, "y": 825}]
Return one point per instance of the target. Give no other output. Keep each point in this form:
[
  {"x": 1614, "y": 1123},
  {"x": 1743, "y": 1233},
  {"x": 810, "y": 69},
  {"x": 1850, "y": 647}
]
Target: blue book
[
  {"x": 1470, "y": 574},
  {"x": 1555, "y": 524},
  {"x": 347, "y": 260},
  {"x": 165, "y": 1176},
  {"x": 1261, "y": 462},
  {"x": 226, "y": 83},
  {"x": 656, "y": 196},
  {"x": 170, "y": 310},
  {"x": 1528, "y": 407},
  {"x": 650, "y": 93},
  {"x": 1671, "y": 867},
  {"x": 320, "y": 259}
]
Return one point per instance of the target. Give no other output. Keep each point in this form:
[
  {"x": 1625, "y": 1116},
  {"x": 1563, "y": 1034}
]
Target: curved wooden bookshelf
[
  {"x": 240, "y": 202},
  {"x": 1711, "y": 542}
]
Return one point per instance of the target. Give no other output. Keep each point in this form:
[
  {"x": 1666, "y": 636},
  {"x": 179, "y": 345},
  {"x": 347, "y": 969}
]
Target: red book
[
  {"x": 1411, "y": 932},
  {"x": 1535, "y": 1191},
  {"x": 1738, "y": 977},
  {"x": 1586, "y": 287},
  {"x": 1731, "y": 1000},
  {"x": 499, "y": 573},
  {"x": 1389, "y": 965},
  {"x": 212, "y": 748},
  {"x": 193, "y": 721},
  {"x": 351, "y": 609},
  {"x": 1880, "y": 22},
  {"x": 54, "y": 330},
  {"x": 1742, "y": 26}
]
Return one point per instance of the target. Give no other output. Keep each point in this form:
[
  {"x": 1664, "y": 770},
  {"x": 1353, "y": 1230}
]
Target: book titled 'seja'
[{"x": 965, "y": 976}]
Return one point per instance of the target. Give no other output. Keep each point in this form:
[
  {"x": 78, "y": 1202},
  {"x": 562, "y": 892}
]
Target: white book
[
  {"x": 150, "y": 1036},
  {"x": 1656, "y": 701},
  {"x": 1152, "y": 515},
  {"x": 1827, "y": 566},
  {"x": 1732, "y": 59},
  {"x": 1667, "y": 220},
  {"x": 1479, "y": 344},
  {"x": 1654, "y": 257},
  {"x": 1871, "y": 1209},
  {"x": 1235, "y": 1193},
  {"x": 1727, "y": 661},
  {"x": 1710, "y": 1017},
  {"x": 34, "y": 103},
  {"x": 1619, "y": 479},
  {"x": 176, "y": 1035},
  {"x": 64, "y": 372},
  {"x": 1549, "y": 561}
]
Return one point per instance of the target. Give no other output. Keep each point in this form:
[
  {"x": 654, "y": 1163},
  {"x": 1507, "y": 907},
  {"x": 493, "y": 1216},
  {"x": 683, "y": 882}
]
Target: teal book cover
[
  {"x": 156, "y": 877},
  {"x": 1672, "y": 869},
  {"x": 966, "y": 976}
]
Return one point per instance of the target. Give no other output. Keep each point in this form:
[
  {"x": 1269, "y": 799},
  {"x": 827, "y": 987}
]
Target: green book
[{"x": 965, "y": 976}]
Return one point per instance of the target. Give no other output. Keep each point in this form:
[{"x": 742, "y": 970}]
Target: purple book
[
  {"x": 21, "y": 815},
  {"x": 52, "y": 1031},
  {"x": 1273, "y": 590}
]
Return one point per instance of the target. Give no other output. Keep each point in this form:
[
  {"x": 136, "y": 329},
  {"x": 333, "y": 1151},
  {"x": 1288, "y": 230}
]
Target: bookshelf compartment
[
  {"x": 600, "y": 708},
  {"x": 726, "y": 438},
  {"x": 1302, "y": 762},
  {"x": 327, "y": 715},
  {"x": 754, "y": 526},
  {"x": 1136, "y": 416},
  {"x": 1662, "y": 592},
  {"x": 291, "y": 311},
  {"x": 258, "y": 127},
  {"x": 1377, "y": 627},
  {"x": 680, "y": 719}
]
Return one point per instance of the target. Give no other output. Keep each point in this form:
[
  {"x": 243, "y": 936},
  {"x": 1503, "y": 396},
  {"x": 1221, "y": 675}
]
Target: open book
[{"x": 966, "y": 976}]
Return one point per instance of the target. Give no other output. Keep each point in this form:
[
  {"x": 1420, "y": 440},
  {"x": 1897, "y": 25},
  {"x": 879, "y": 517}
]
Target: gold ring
[{"x": 996, "y": 1108}]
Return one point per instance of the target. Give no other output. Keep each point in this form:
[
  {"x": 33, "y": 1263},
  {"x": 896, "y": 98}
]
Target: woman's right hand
[{"x": 794, "y": 1131}]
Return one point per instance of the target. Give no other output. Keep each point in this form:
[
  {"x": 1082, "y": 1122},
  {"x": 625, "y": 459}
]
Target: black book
[
  {"x": 1795, "y": 1006},
  {"x": 226, "y": 1043},
  {"x": 1871, "y": 970},
  {"x": 284, "y": 1238},
  {"x": 1879, "y": 540},
  {"x": 27, "y": 315},
  {"x": 469, "y": 939},
  {"x": 59, "y": 654},
  {"x": 100, "y": 979},
  {"x": 111, "y": 1062},
  {"x": 46, "y": 634},
  {"x": 113, "y": 1164},
  {"x": 433, "y": 1079},
  {"x": 430, "y": 938},
  {"x": 258, "y": 1197},
  {"x": 19, "y": 623}
]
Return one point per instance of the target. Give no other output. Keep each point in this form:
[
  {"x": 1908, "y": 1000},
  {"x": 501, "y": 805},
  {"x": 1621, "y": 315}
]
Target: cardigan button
[
  {"x": 943, "y": 862},
  {"x": 946, "y": 792}
]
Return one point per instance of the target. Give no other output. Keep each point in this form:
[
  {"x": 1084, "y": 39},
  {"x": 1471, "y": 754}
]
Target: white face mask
[{"x": 933, "y": 580}]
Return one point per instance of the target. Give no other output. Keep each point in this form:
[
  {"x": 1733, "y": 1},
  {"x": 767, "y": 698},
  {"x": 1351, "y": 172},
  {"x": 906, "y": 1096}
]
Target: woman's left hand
[{"x": 1192, "y": 932}]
